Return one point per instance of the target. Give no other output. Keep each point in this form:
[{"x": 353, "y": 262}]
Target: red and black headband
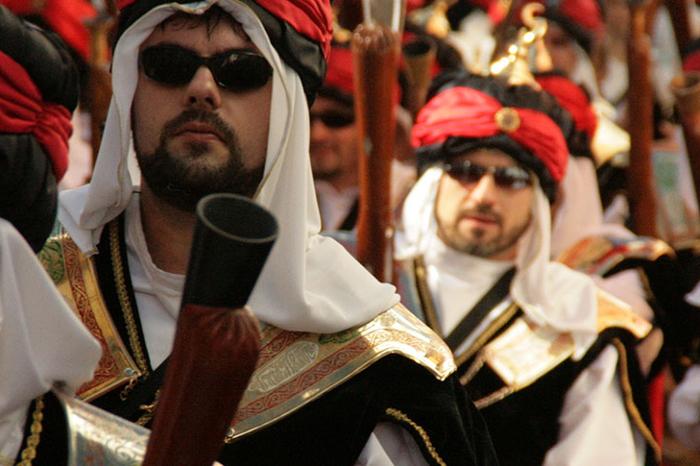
[
  {"x": 300, "y": 31},
  {"x": 468, "y": 112},
  {"x": 38, "y": 88}
]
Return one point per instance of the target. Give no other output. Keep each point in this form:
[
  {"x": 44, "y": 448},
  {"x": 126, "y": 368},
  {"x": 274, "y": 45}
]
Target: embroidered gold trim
[
  {"x": 424, "y": 295},
  {"x": 295, "y": 369},
  {"x": 29, "y": 452},
  {"x": 629, "y": 401},
  {"x": 125, "y": 304},
  {"x": 401, "y": 417}
]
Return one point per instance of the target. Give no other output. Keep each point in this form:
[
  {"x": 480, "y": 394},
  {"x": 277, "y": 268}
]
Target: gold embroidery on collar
[
  {"x": 405, "y": 420},
  {"x": 127, "y": 310},
  {"x": 296, "y": 368},
  {"x": 76, "y": 278}
]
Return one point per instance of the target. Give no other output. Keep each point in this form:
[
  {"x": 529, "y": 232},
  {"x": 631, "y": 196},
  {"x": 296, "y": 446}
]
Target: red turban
[
  {"x": 310, "y": 18},
  {"x": 469, "y": 113},
  {"x": 573, "y": 99},
  {"x": 340, "y": 70},
  {"x": 22, "y": 110}
]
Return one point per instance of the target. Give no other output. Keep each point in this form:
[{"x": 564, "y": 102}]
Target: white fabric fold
[
  {"x": 41, "y": 341},
  {"x": 310, "y": 283}
]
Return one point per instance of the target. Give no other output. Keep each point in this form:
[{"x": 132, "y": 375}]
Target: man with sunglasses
[
  {"x": 334, "y": 144},
  {"x": 214, "y": 96},
  {"x": 541, "y": 351}
]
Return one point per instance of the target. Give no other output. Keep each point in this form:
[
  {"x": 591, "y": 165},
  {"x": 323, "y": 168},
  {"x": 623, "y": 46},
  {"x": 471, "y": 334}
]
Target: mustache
[
  {"x": 203, "y": 116},
  {"x": 482, "y": 210}
]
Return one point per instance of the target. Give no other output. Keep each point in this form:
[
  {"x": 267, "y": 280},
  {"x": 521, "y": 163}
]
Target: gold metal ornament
[
  {"x": 515, "y": 64},
  {"x": 507, "y": 119}
]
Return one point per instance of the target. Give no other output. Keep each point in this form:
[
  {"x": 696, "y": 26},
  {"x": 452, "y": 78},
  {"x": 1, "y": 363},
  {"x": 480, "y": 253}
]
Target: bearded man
[
  {"x": 540, "y": 350},
  {"x": 213, "y": 96}
]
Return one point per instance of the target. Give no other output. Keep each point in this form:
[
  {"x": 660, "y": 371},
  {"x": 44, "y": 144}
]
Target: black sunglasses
[
  {"x": 333, "y": 119},
  {"x": 233, "y": 70},
  {"x": 505, "y": 177}
]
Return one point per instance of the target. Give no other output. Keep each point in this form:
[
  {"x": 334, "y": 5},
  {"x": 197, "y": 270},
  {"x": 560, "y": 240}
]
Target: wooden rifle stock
[
  {"x": 640, "y": 184},
  {"x": 419, "y": 57},
  {"x": 375, "y": 55},
  {"x": 217, "y": 340},
  {"x": 680, "y": 18},
  {"x": 686, "y": 89}
]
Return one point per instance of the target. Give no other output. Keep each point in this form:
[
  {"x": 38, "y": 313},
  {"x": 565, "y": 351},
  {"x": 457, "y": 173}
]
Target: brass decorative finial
[
  {"x": 433, "y": 18},
  {"x": 515, "y": 64}
]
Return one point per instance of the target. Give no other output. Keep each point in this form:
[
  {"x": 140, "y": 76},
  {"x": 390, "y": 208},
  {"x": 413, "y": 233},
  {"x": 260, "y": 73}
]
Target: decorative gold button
[{"x": 507, "y": 119}]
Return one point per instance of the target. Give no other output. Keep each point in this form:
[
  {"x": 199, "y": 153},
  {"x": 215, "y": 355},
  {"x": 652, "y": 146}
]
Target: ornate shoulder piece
[
  {"x": 525, "y": 352},
  {"x": 75, "y": 277},
  {"x": 295, "y": 368},
  {"x": 614, "y": 313},
  {"x": 98, "y": 437},
  {"x": 598, "y": 255}
]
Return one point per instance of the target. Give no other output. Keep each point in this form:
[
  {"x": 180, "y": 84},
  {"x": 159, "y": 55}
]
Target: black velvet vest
[
  {"x": 523, "y": 423},
  {"x": 333, "y": 428}
]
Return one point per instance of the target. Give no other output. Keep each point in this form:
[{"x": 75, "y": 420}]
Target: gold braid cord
[
  {"x": 405, "y": 420},
  {"x": 29, "y": 452},
  {"x": 131, "y": 327}
]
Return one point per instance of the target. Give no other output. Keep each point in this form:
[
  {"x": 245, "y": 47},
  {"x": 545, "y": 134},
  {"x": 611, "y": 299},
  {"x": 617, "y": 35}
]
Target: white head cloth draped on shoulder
[{"x": 310, "y": 283}]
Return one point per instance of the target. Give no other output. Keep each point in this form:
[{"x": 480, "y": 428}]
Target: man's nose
[
  {"x": 202, "y": 90},
  {"x": 485, "y": 190}
]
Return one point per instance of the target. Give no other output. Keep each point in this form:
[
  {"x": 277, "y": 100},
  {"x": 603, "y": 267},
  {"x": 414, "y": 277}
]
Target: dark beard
[
  {"x": 497, "y": 245},
  {"x": 173, "y": 180}
]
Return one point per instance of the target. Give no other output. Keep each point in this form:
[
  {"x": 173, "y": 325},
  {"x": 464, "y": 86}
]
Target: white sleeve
[
  {"x": 390, "y": 445},
  {"x": 595, "y": 428},
  {"x": 684, "y": 409}
]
